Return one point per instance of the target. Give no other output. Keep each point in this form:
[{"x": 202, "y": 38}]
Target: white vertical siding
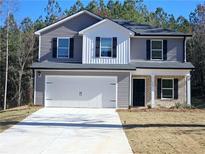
[{"x": 106, "y": 29}]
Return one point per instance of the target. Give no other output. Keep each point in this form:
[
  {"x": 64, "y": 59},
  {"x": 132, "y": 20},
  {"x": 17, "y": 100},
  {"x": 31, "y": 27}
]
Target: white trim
[
  {"x": 145, "y": 93},
  {"x": 111, "y": 56},
  {"x": 116, "y": 95},
  {"x": 129, "y": 42},
  {"x": 72, "y": 70},
  {"x": 39, "y": 48},
  {"x": 163, "y": 98},
  {"x": 185, "y": 49},
  {"x": 161, "y": 72},
  {"x": 68, "y": 38},
  {"x": 84, "y": 58},
  {"x": 101, "y": 22},
  {"x": 45, "y": 89},
  {"x": 153, "y": 103},
  {"x": 84, "y": 76},
  {"x": 130, "y": 90},
  {"x": 92, "y": 26},
  {"x": 188, "y": 85},
  {"x": 159, "y": 40},
  {"x": 34, "y": 95},
  {"x": 66, "y": 19}
]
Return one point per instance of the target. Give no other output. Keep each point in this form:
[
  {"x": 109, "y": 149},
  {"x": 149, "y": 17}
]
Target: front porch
[{"x": 159, "y": 87}]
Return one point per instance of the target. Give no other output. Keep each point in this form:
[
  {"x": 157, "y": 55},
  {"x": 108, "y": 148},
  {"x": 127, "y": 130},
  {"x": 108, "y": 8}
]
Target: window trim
[
  {"x": 68, "y": 48},
  {"x": 163, "y": 98},
  {"x": 111, "y": 47},
  {"x": 156, "y": 49}
]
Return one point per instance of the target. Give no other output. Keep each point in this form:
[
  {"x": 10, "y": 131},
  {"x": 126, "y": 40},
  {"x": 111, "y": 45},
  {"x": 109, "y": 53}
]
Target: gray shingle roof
[
  {"x": 162, "y": 65},
  {"x": 78, "y": 66},
  {"x": 145, "y": 29},
  {"x": 131, "y": 66}
]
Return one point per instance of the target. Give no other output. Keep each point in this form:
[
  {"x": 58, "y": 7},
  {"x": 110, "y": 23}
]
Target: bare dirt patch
[
  {"x": 15, "y": 115},
  {"x": 165, "y": 131}
]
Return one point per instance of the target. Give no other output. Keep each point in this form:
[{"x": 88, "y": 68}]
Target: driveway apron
[{"x": 65, "y": 131}]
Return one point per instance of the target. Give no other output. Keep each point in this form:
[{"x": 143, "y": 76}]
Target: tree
[
  {"x": 7, "y": 62},
  {"x": 183, "y": 24},
  {"x": 78, "y": 6},
  {"x": 92, "y": 6},
  {"x": 53, "y": 11},
  {"x": 24, "y": 51},
  {"x": 159, "y": 18},
  {"x": 196, "y": 48}
]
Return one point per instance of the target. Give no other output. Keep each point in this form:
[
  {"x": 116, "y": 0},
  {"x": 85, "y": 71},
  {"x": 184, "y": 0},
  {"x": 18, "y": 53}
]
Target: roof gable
[
  {"x": 67, "y": 19},
  {"x": 105, "y": 21}
]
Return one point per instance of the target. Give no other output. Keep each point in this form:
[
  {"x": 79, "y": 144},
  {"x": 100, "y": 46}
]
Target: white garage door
[{"x": 80, "y": 91}]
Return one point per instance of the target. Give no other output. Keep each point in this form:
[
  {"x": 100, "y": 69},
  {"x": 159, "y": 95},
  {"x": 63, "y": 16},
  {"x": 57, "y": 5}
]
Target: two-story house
[{"x": 85, "y": 60}]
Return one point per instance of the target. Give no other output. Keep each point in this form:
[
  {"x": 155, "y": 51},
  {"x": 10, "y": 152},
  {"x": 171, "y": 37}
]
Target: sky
[{"x": 35, "y": 8}]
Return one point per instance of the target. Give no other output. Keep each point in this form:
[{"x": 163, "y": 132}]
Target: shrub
[
  {"x": 149, "y": 106},
  {"x": 182, "y": 106},
  {"x": 30, "y": 104},
  {"x": 178, "y": 105},
  {"x": 186, "y": 106}
]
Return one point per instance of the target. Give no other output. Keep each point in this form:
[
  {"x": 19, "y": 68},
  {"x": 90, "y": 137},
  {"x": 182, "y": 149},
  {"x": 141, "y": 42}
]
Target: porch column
[
  {"x": 152, "y": 91},
  {"x": 188, "y": 89}
]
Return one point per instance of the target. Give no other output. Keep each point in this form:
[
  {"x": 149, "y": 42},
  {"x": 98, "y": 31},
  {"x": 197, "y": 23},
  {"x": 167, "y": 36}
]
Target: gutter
[{"x": 182, "y": 35}]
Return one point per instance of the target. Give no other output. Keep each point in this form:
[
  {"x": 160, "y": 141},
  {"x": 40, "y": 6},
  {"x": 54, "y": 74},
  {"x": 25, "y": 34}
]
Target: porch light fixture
[{"x": 39, "y": 73}]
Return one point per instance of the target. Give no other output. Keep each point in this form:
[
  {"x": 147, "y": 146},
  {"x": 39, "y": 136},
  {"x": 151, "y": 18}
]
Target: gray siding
[
  {"x": 174, "y": 49},
  {"x": 123, "y": 84},
  {"x": 66, "y": 29}
]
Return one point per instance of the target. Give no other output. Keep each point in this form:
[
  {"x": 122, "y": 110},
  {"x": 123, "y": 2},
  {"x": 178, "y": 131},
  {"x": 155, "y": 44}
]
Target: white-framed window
[
  {"x": 105, "y": 47},
  {"x": 156, "y": 49},
  {"x": 167, "y": 89},
  {"x": 63, "y": 47}
]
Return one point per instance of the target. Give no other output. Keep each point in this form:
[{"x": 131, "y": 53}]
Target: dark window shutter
[
  {"x": 54, "y": 47},
  {"x": 97, "y": 51},
  {"x": 159, "y": 82},
  {"x": 114, "y": 47},
  {"x": 71, "y": 47},
  {"x": 164, "y": 49},
  {"x": 175, "y": 88},
  {"x": 148, "y": 49}
]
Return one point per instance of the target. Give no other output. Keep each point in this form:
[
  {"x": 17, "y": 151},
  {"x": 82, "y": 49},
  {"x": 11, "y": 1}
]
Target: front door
[{"x": 138, "y": 92}]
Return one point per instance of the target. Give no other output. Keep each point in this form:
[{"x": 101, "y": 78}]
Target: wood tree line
[{"x": 22, "y": 45}]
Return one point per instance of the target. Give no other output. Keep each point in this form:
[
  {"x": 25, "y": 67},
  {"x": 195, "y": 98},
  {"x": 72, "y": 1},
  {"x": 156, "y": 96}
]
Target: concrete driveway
[{"x": 67, "y": 130}]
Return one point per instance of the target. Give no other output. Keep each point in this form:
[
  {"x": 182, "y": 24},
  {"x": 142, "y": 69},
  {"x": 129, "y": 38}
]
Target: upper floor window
[
  {"x": 106, "y": 47},
  {"x": 63, "y": 45},
  {"x": 167, "y": 88},
  {"x": 157, "y": 49}
]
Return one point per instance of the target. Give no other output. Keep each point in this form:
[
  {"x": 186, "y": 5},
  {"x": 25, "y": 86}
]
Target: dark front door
[{"x": 138, "y": 92}]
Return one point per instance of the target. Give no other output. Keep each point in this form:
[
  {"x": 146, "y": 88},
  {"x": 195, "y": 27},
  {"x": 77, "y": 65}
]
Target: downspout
[
  {"x": 184, "y": 49},
  {"x": 39, "y": 48}
]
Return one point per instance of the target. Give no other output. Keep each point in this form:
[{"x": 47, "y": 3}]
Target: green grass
[{"x": 12, "y": 116}]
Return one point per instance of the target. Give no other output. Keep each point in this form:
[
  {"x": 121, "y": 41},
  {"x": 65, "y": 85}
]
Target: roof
[
  {"x": 79, "y": 66},
  {"x": 132, "y": 66},
  {"x": 138, "y": 29},
  {"x": 66, "y": 19},
  {"x": 148, "y": 30},
  {"x": 162, "y": 65},
  {"x": 107, "y": 20}
]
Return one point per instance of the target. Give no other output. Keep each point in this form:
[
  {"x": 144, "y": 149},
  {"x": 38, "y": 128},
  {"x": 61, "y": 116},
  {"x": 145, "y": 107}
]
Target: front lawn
[
  {"x": 15, "y": 115},
  {"x": 154, "y": 131}
]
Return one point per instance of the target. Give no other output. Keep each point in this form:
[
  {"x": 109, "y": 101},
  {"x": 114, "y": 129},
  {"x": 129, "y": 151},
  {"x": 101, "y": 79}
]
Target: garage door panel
[{"x": 78, "y": 91}]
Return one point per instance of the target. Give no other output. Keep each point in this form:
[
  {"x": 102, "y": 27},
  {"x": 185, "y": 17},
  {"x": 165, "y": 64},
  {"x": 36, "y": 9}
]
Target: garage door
[{"x": 80, "y": 91}]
